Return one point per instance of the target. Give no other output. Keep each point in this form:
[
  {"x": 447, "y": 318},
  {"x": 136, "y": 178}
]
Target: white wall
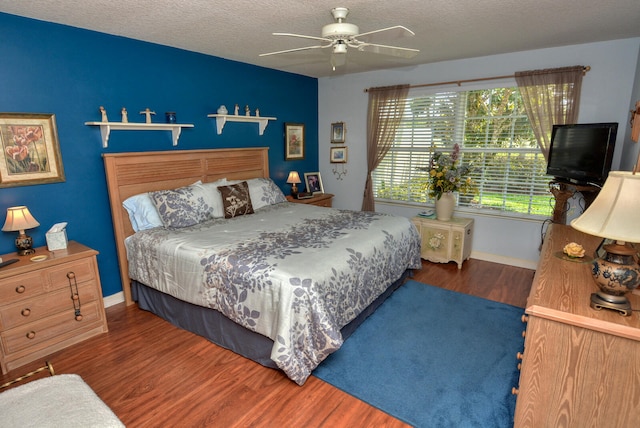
[{"x": 606, "y": 96}]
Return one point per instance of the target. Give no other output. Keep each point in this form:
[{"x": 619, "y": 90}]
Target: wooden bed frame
[{"x": 129, "y": 174}]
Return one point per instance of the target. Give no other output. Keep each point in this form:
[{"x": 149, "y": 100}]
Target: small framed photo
[
  {"x": 313, "y": 182},
  {"x": 338, "y": 155},
  {"x": 337, "y": 132},
  {"x": 29, "y": 150},
  {"x": 293, "y": 141}
]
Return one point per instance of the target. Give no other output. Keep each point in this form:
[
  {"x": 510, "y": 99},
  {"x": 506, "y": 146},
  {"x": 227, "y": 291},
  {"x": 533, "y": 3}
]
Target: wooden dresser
[
  {"x": 321, "y": 200},
  {"x": 581, "y": 367},
  {"x": 48, "y": 305}
]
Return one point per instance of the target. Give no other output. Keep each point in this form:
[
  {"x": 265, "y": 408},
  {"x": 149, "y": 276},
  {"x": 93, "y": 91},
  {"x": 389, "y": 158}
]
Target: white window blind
[{"x": 494, "y": 135}]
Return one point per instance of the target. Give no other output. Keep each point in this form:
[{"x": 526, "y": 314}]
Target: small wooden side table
[
  {"x": 445, "y": 241},
  {"x": 321, "y": 200}
]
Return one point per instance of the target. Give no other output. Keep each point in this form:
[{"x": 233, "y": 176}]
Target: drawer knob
[
  {"x": 26, "y": 312},
  {"x": 525, "y": 318},
  {"x": 515, "y": 391},
  {"x": 519, "y": 355},
  {"x": 79, "y": 317},
  {"x": 71, "y": 275},
  {"x": 31, "y": 334},
  {"x": 21, "y": 289},
  {"x": 524, "y": 333},
  {"x": 75, "y": 296}
]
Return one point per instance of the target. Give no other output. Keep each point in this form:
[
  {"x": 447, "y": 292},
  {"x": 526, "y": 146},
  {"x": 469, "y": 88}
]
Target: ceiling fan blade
[
  {"x": 396, "y": 32},
  {"x": 306, "y": 48},
  {"x": 388, "y": 50},
  {"x": 302, "y": 36}
]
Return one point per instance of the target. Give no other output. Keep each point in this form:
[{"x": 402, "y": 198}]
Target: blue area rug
[{"x": 433, "y": 358}]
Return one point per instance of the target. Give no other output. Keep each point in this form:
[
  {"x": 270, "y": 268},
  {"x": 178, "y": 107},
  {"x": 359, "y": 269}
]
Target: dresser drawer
[
  {"x": 40, "y": 281},
  {"x": 324, "y": 203},
  {"x": 21, "y": 287},
  {"x": 45, "y": 332},
  {"x": 25, "y": 312},
  {"x": 59, "y": 276}
]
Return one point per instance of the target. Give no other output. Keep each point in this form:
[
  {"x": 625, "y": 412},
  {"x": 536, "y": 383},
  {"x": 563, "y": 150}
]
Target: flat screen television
[{"x": 582, "y": 153}]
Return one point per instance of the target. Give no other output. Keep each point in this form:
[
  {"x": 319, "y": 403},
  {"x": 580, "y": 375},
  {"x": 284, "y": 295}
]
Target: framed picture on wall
[
  {"x": 337, "y": 132},
  {"x": 30, "y": 153},
  {"x": 293, "y": 141},
  {"x": 313, "y": 181},
  {"x": 338, "y": 155}
]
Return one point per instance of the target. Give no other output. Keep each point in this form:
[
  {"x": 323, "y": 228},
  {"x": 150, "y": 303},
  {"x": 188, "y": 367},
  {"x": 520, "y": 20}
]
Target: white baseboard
[
  {"x": 511, "y": 261},
  {"x": 114, "y": 299}
]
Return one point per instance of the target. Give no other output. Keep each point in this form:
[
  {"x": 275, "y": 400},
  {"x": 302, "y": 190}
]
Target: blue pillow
[{"x": 142, "y": 212}]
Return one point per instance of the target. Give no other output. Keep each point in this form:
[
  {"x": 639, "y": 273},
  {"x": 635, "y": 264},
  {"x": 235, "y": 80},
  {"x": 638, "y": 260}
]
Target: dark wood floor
[{"x": 152, "y": 374}]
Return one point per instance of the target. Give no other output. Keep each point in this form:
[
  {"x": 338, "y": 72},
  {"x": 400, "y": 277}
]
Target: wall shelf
[
  {"x": 222, "y": 119},
  {"x": 107, "y": 127}
]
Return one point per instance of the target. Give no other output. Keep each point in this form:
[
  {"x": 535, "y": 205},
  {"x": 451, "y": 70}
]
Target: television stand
[{"x": 563, "y": 191}]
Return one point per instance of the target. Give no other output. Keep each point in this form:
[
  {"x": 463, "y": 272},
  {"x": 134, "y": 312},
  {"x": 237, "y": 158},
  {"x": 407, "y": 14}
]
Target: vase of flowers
[{"x": 447, "y": 176}]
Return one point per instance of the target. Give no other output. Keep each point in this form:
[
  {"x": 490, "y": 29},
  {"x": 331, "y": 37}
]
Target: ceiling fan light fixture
[{"x": 340, "y": 48}]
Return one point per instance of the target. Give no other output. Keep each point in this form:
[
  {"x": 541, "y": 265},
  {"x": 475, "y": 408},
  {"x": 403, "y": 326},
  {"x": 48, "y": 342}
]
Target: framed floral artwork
[
  {"x": 313, "y": 181},
  {"x": 338, "y": 155},
  {"x": 30, "y": 150},
  {"x": 293, "y": 141},
  {"x": 337, "y": 132}
]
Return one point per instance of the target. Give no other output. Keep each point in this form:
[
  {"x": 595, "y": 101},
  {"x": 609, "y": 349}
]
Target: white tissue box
[{"x": 57, "y": 240}]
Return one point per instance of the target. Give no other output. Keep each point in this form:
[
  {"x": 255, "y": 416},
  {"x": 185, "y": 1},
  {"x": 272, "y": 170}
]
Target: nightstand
[
  {"x": 48, "y": 305},
  {"x": 321, "y": 200},
  {"x": 445, "y": 241}
]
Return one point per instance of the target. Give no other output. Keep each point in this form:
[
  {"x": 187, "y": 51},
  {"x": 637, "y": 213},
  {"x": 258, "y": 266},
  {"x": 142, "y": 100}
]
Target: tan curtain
[
  {"x": 550, "y": 96},
  {"x": 386, "y": 107}
]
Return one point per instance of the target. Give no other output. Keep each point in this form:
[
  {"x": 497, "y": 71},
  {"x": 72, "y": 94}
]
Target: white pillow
[
  {"x": 263, "y": 192},
  {"x": 215, "y": 199}
]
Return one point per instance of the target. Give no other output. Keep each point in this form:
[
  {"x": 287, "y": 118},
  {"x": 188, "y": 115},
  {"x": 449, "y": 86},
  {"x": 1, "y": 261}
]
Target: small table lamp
[
  {"x": 614, "y": 214},
  {"x": 19, "y": 219},
  {"x": 294, "y": 179}
]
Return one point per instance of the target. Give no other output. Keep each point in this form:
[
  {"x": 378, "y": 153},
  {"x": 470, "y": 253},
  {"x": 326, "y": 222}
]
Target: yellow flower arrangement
[{"x": 446, "y": 175}]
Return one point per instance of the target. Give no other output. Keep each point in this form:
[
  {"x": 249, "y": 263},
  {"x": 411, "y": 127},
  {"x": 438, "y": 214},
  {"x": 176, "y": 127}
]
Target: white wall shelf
[
  {"x": 222, "y": 119},
  {"x": 107, "y": 127}
]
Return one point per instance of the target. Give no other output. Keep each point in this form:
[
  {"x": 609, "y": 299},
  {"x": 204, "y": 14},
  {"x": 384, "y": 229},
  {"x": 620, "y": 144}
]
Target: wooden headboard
[{"x": 131, "y": 173}]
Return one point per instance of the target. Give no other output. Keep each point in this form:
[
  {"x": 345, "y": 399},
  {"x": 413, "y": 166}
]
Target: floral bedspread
[{"x": 295, "y": 273}]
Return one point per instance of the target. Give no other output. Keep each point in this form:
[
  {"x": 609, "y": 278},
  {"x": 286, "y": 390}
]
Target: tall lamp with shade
[
  {"x": 294, "y": 180},
  {"x": 615, "y": 214},
  {"x": 18, "y": 220}
]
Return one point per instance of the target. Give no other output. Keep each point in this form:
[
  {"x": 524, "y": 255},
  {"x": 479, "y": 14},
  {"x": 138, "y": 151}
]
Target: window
[{"x": 494, "y": 135}]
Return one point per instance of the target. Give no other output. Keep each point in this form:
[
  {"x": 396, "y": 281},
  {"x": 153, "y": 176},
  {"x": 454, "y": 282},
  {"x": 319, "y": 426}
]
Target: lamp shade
[
  {"x": 615, "y": 212},
  {"x": 294, "y": 178},
  {"x": 19, "y": 219}
]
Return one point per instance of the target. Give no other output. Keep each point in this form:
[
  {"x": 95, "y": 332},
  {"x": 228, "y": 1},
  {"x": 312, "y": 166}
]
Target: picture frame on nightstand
[{"x": 313, "y": 181}]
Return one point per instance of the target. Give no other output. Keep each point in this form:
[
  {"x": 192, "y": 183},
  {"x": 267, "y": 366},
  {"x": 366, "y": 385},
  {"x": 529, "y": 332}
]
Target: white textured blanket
[{"x": 57, "y": 401}]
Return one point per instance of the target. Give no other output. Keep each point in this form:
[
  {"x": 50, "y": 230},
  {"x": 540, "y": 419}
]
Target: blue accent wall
[{"x": 70, "y": 72}]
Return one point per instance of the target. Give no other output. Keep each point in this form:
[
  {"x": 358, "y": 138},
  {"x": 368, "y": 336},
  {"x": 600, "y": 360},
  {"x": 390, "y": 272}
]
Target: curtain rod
[{"x": 585, "y": 70}]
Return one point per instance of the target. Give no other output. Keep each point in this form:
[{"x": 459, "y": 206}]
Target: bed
[{"x": 282, "y": 284}]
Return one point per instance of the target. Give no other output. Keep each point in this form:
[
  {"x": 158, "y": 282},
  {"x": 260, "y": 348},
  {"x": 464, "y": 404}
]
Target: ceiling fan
[{"x": 341, "y": 35}]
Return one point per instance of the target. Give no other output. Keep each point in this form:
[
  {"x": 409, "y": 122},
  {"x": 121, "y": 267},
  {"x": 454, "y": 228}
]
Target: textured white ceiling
[{"x": 445, "y": 29}]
